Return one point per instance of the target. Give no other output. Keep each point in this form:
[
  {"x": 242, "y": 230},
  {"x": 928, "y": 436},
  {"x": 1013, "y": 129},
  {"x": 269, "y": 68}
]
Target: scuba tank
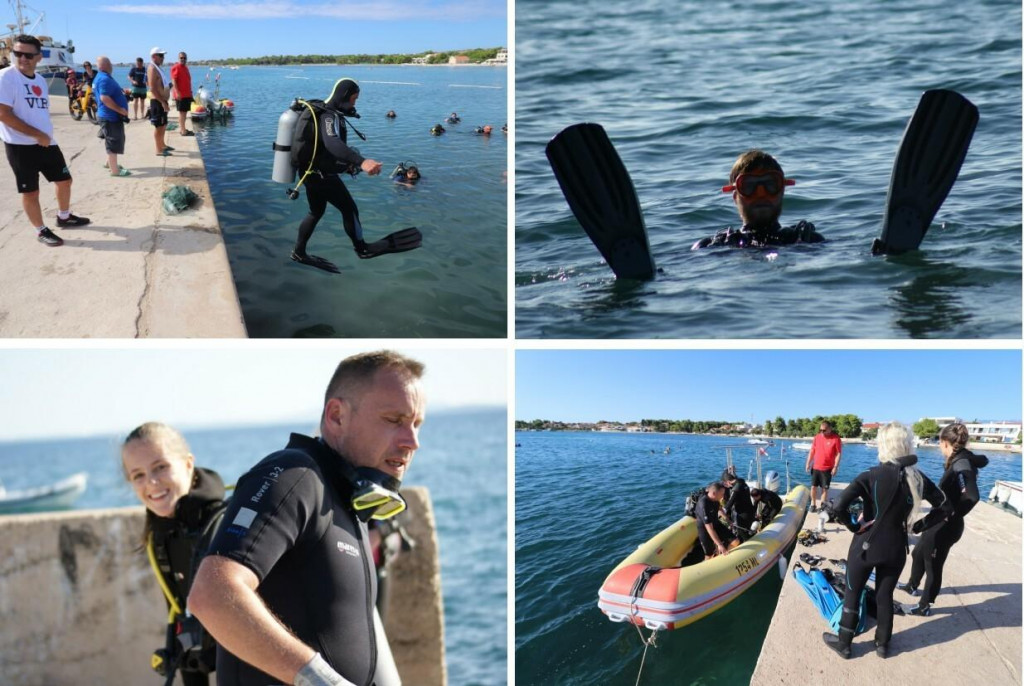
[{"x": 284, "y": 172}]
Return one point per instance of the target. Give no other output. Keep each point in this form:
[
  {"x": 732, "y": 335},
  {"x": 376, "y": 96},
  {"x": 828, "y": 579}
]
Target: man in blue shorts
[
  {"x": 112, "y": 111},
  {"x": 27, "y": 132}
]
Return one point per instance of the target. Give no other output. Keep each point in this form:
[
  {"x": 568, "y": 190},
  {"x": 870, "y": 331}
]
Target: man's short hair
[
  {"x": 727, "y": 476},
  {"x": 356, "y": 372},
  {"x": 825, "y": 422},
  {"x": 29, "y": 40},
  {"x": 755, "y": 492},
  {"x": 716, "y": 486},
  {"x": 753, "y": 159}
]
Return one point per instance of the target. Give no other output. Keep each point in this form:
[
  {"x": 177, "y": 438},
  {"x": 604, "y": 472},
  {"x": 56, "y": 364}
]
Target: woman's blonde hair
[
  {"x": 173, "y": 443},
  {"x": 896, "y": 441}
]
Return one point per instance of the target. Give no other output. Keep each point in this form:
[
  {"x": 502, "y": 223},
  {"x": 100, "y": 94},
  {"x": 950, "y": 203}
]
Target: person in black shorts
[
  {"x": 288, "y": 587},
  {"x": 714, "y": 535},
  {"x": 27, "y": 132}
]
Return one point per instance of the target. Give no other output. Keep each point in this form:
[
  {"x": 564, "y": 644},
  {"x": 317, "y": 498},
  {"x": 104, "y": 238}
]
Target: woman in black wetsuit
[
  {"x": 184, "y": 504},
  {"x": 960, "y": 484},
  {"x": 892, "y": 493}
]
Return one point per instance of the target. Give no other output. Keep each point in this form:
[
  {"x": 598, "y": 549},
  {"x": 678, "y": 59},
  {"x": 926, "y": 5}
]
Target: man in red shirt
[
  {"x": 824, "y": 457},
  {"x": 181, "y": 79}
]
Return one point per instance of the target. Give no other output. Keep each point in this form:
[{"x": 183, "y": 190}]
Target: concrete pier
[
  {"x": 79, "y": 603},
  {"x": 135, "y": 271},
  {"x": 973, "y": 635}
]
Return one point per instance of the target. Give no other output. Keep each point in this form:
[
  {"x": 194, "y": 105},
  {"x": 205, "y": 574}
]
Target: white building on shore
[{"x": 994, "y": 432}]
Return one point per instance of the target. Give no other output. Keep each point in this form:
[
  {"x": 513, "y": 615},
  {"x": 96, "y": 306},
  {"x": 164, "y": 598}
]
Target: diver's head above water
[
  {"x": 343, "y": 97},
  {"x": 758, "y": 187}
]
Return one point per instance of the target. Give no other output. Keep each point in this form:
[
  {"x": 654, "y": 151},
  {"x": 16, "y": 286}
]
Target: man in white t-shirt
[{"x": 27, "y": 132}]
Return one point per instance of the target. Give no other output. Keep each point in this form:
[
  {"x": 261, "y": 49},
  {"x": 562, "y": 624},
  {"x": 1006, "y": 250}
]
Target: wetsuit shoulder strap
[{"x": 172, "y": 603}]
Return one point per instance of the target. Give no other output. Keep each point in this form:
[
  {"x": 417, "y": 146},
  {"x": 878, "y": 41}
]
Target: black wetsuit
[
  {"x": 801, "y": 232},
  {"x": 179, "y": 543},
  {"x": 323, "y": 186},
  {"x": 960, "y": 484},
  {"x": 707, "y": 513},
  {"x": 769, "y": 507},
  {"x": 883, "y": 546},
  {"x": 740, "y": 507},
  {"x": 291, "y": 522}
]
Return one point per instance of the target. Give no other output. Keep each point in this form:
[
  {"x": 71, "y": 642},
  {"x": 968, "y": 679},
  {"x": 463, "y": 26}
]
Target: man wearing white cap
[{"x": 159, "y": 96}]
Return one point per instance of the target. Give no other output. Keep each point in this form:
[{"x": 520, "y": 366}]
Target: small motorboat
[
  {"x": 199, "y": 112},
  {"x": 802, "y": 446},
  {"x": 1010, "y": 494},
  {"x": 53, "y": 497},
  {"x": 757, "y": 441},
  {"x": 650, "y": 588}
]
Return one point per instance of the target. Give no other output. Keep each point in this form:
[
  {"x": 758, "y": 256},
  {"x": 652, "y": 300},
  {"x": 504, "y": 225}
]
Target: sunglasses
[
  {"x": 26, "y": 55},
  {"x": 747, "y": 184}
]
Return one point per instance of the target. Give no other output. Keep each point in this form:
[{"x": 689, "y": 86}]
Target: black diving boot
[
  {"x": 922, "y": 610},
  {"x": 882, "y": 650},
  {"x": 837, "y": 644},
  {"x": 907, "y": 588}
]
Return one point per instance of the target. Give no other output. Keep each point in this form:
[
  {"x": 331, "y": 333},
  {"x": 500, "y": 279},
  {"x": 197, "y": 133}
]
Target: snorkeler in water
[
  {"x": 406, "y": 173},
  {"x": 758, "y": 187}
]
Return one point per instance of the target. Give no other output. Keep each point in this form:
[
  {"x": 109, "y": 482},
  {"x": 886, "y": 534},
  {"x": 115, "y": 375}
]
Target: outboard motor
[{"x": 772, "y": 481}]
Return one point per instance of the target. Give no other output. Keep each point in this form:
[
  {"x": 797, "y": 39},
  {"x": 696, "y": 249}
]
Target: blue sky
[
  {"x": 745, "y": 385},
  {"x": 84, "y": 392},
  {"x": 244, "y": 28}
]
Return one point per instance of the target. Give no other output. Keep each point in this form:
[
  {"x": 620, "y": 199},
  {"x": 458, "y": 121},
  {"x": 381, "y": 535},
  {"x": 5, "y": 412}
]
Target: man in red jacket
[{"x": 823, "y": 462}]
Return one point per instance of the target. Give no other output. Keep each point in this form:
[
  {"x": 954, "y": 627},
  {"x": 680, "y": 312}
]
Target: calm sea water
[
  {"x": 462, "y": 462},
  {"x": 454, "y": 286},
  {"x": 586, "y": 500},
  {"x": 684, "y": 88}
]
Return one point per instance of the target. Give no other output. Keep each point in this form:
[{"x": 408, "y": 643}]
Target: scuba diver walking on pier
[{"x": 319, "y": 151}]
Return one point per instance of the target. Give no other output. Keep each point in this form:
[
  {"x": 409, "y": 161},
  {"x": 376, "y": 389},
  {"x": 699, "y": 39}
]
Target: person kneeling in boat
[
  {"x": 714, "y": 535},
  {"x": 738, "y": 506},
  {"x": 758, "y": 186},
  {"x": 767, "y": 506}
]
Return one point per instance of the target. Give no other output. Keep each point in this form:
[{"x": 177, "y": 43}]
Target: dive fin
[
  {"x": 600, "y": 193},
  {"x": 399, "y": 241},
  {"x": 318, "y": 262},
  {"x": 931, "y": 153},
  {"x": 825, "y": 600}
]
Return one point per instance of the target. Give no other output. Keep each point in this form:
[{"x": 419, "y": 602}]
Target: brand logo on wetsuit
[
  {"x": 331, "y": 124},
  {"x": 242, "y": 521},
  {"x": 348, "y": 549},
  {"x": 259, "y": 494}
]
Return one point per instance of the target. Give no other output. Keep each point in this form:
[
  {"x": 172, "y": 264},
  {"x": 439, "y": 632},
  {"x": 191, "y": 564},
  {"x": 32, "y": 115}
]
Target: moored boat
[
  {"x": 61, "y": 494},
  {"x": 57, "y": 57},
  {"x": 650, "y": 588}
]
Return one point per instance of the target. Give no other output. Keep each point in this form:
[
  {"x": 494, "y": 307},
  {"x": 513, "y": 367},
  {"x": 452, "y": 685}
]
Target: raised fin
[
  {"x": 600, "y": 193},
  {"x": 399, "y": 241},
  {"x": 931, "y": 153}
]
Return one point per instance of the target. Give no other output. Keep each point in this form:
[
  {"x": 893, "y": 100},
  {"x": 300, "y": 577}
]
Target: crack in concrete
[{"x": 147, "y": 273}]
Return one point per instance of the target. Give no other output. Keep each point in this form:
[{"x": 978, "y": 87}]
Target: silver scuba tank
[{"x": 284, "y": 172}]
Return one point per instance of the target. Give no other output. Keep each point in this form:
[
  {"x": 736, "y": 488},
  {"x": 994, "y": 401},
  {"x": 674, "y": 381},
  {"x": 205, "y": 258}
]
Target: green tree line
[
  {"x": 846, "y": 425},
  {"x": 475, "y": 55}
]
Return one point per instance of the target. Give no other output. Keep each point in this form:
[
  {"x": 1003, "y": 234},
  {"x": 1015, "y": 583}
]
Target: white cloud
[{"x": 365, "y": 11}]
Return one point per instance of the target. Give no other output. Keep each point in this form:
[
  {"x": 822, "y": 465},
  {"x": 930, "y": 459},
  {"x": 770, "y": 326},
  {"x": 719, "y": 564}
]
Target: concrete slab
[
  {"x": 134, "y": 271},
  {"x": 80, "y": 605},
  {"x": 973, "y": 635}
]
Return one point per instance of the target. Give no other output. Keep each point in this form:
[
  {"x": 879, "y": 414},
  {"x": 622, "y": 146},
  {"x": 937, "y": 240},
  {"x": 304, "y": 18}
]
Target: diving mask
[
  {"x": 747, "y": 184},
  {"x": 375, "y": 495}
]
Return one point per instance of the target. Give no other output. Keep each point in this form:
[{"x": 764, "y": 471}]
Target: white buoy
[{"x": 782, "y": 566}]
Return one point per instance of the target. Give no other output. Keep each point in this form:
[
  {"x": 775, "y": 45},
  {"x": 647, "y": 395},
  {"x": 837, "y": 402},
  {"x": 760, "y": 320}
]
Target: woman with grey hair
[{"x": 891, "y": 492}]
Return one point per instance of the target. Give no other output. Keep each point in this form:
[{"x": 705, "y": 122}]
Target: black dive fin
[
  {"x": 318, "y": 262},
  {"x": 932, "y": 150},
  {"x": 600, "y": 193},
  {"x": 399, "y": 241}
]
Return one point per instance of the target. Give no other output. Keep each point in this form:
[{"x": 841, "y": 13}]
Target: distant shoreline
[{"x": 973, "y": 445}]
